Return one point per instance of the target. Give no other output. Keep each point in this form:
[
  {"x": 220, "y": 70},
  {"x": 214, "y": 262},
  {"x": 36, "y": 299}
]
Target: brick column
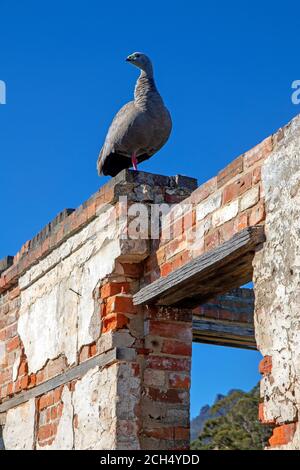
[
  {"x": 166, "y": 378},
  {"x": 153, "y": 382}
]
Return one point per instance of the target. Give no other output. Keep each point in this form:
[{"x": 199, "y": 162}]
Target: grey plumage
[{"x": 140, "y": 128}]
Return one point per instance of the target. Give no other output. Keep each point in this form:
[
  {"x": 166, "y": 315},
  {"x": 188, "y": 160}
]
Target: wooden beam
[
  {"x": 75, "y": 372},
  {"x": 213, "y": 273},
  {"x": 224, "y": 333}
]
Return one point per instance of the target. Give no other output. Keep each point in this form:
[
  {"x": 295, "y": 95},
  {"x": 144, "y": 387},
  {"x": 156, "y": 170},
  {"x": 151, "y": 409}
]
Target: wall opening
[{"x": 225, "y": 376}]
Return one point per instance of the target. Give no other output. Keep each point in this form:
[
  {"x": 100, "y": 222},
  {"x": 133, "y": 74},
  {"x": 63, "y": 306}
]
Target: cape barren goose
[{"x": 140, "y": 128}]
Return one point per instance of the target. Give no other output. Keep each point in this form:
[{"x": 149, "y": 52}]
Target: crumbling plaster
[
  {"x": 58, "y": 312},
  {"x": 277, "y": 279},
  {"x": 19, "y": 429}
]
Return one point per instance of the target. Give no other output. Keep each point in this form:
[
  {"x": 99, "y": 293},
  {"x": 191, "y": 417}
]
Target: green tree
[{"x": 238, "y": 428}]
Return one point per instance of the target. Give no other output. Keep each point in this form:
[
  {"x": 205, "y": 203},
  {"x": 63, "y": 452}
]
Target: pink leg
[{"x": 134, "y": 161}]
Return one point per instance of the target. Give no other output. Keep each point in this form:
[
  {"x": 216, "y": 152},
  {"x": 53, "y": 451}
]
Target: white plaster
[
  {"x": 208, "y": 206},
  {"x": 55, "y": 320},
  {"x": 2, "y": 352},
  {"x": 277, "y": 281},
  {"x": 225, "y": 213},
  {"x": 249, "y": 199},
  {"x": 16, "y": 365},
  {"x": 94, "y": 402},
  {"x": 18, "y": 432}
]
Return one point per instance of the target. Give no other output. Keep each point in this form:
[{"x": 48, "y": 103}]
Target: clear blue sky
[{"x": 224, "y": 69}]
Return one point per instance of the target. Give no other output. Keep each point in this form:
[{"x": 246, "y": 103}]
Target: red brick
[
  {"x": 257, "y": 214},
  {"x": 114, "y": 322},
  {"x": 169, "y": 396},
  {"x": 46, "y": 400},
  {"x": 119, "y": 303},
  {"x": 40, "y": 377},
  {"x": 10, "y": 388},
  {"x": 168, "y": 363},
  {"x": 226, "y": 231},
  {"x": 53, "y": 411},
  {"x": 237, "y": 188},
  {"x": 231, "y": 170},
  {"x": 166, "y": 269},
  {"x": 258, "y": 152},
  {"x": 136, "y": 369},
  {"x": 143, "y": 351},
  {"x": 17, "y": 386},
  {"x": 241, "y": 222},
  {"x": 14, "y": 293},
  {"x": 13, "y": 344},
  {"x": 178, "y": 228},
  {"x": 182, "y": 433},
  {"x": 212, "y": 240},
  {"x": 173, "y": 247},
  {"x": 12, "y": 330},
  {"x": 75, "y": 421},
  {"x": 282, "y": 434},
  {"x": 23, "y": 369},
  {"x": 132, "y": 269},
  {"x": 92, "y": 350},
  {"x": 185, "y": 257},
  {"x": 189, "y": 220},
  {"x": 3, "y": 334},
  {"x": 265, "y": 365},
  {"x": 48, "y": 414},
  {"x": 204, "y": 191},
  {"x": 161, "y": 432},
  {"x": 4, "y": 377},
  {"x": 160, "y": 256},
  {"x": 72, "y": 385},
  {"x": 32, "y": 380},
  {"x": 113, "y": 288},
  {"x": 24, "y": 382},
  {"x": 170, "y": 330},
  {"x": 177, "y": 348},
  {"x": 179, "y": 381},
  {"x": 84, "y": 353},
  {"x": 57, "y": 394},
  {"x": 179, "y": 260},
  {"x": 46, "y": 431},
  {"x": 173, "y": 198},
  {"x": 256, "y": 178}
]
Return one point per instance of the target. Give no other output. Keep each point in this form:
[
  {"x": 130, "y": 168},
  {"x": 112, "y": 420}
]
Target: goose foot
[{"x": 134, "y": 161}]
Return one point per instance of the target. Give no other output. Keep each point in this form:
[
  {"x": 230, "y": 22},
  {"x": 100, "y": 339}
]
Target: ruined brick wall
[
  {"x": 276, "y": 282},
  {"x": 81, "y": 367},
  {"x": 215, "y": 211}
]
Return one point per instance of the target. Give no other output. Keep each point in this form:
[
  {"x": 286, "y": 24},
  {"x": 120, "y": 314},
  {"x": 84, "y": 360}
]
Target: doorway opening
[{"x": 225, "y": 377}]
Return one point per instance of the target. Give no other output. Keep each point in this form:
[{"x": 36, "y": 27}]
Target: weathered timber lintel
[
  {"x": 102, "y": 360},
  {"x": 223, "y": 334},
  {"x": 213, "y": 273}
]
